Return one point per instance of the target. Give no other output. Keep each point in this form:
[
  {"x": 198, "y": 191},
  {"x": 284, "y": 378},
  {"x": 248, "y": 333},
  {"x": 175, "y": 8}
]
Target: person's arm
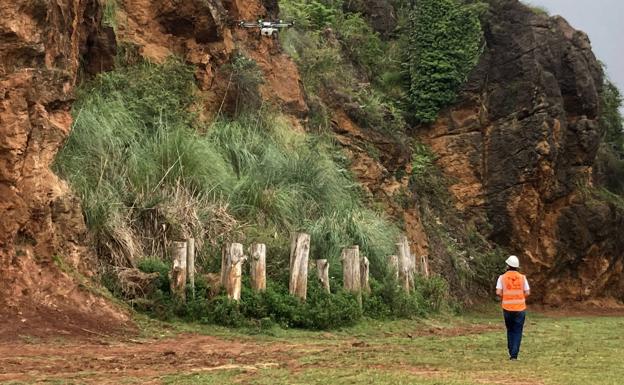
[
  {"x": 499, "y": 287},
  {"x": 527, "y": 288}
]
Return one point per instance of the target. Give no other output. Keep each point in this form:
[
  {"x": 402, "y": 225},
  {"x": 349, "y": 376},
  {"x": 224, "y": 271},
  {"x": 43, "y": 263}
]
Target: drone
[{"x": 267, "y": 28}]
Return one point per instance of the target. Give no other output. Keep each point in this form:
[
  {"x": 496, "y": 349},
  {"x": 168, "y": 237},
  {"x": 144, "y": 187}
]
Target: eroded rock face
[
  {"x": 45, "y": 261},
  {"x": 41, "y": 224},
  {"x": 202, "y": 32},
  {"x": 520, "y": 145}
]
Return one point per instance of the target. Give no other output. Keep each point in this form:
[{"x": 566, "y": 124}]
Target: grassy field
[
  {"x": 466, "y": 350},
  {"x": 463, "y": 350}
]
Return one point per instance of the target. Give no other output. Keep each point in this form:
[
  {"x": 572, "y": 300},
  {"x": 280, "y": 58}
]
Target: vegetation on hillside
[
  {"x": 610, "y": 160},
  {"x": 148, "y": 172},
  {"x": 381, "y": 82},
  {"x": 339, "y": 57}
]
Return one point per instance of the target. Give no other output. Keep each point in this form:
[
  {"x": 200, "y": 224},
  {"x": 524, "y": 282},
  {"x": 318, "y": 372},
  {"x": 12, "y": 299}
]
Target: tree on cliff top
[{"x": 610, "y": 118}]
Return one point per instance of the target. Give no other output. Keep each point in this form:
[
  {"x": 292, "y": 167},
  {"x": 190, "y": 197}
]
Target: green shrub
[
  {"x": 611, "y": 120},
  {"x": 427, "y": 180},
  {"x": 247, "y": 79},
  {"x": 109, "y": 13},
  {"x": 443, "y": 45},
  {"x": 539, "y": 10},
  {"x": 376, "y": 113},
  {"x": 156, "y": 265},
  {"x": 348, "y": 59},
  {"x": 319, "y": 61},
  {"x": 276, "y": 307},
  {"x": 387, "y": 300},
  {"x": 435, "y": 292},
  {"x": 313, "y": 14},
  {"x": 329, "y": 311},
  {"x": 361, "y": 44}
]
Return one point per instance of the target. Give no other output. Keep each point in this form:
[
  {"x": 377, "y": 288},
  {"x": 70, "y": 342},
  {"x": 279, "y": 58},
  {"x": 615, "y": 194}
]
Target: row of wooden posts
[{"x": 355, "y": 267}]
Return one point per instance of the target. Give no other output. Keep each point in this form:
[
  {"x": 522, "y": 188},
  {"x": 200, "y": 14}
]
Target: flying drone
[{"x": 267, "y": 28}]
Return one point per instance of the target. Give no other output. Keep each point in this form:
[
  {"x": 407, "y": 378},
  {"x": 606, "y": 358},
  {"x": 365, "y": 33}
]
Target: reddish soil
[
  {"x": 92, "y": 356},
  {"x": 43, "y": 322},
  {"x": 103, "y": 362}
]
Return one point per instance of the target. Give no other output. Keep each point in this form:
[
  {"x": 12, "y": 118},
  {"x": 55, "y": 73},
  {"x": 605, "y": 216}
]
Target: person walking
[{"x": 513, "y": 289}]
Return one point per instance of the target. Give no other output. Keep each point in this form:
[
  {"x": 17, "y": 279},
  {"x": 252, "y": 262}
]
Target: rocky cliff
[
  {"x": 42, "y": 232},
  {"x": 45, "y": 259},
  {"x": 520, "y": 145}
]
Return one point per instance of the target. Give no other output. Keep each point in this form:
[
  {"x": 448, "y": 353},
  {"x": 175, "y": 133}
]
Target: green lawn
[
  {"x": 555, "y": 350},
  {"x": 466, "y": 350}
]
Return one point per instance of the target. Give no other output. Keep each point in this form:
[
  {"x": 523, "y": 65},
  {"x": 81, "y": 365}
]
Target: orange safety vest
[{"x": 513, "y": 291}]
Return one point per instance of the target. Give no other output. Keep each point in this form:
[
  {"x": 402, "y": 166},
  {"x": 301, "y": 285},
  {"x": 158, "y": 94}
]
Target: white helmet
[{"x": 513, "y": 261}]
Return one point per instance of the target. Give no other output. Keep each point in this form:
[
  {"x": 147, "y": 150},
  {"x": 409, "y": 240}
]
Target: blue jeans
[{"x": 514, "y": 321}]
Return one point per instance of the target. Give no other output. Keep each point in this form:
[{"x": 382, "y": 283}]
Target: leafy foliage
[
  {"x": 610, "y": 159},
  {"x": 340, "y": 56},
  {"x": 246, "y": 78},
  {"x": 611, "y": 120},
  {"x": 275, "y": 306},
  {"x": 443, "y": 45}
]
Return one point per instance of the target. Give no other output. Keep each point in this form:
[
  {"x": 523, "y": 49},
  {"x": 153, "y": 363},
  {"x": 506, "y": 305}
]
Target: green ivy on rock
[{"x": 444, "y": 44}]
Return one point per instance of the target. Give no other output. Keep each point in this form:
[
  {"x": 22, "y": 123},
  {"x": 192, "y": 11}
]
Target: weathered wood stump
[
  {"x": 232, "y": 270},
  {"x": 351, "y": 269},
  {"x": 322, "y": 271},
  {"x": 257, "y": 253},
  {"x": 177, "y": 276},
  {"x": 424, "y": 265},
  {"x": 224, "y": 270},
  {"x": 364, "y": 275},
  {"x": 190, "y": 263},
  {"x": 405, "y": 265},
  {"x": 299, "y": 254},
  {"x": 393, "y": 265}
]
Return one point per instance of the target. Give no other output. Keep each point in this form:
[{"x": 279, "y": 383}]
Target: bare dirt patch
[
  {"x": 102, "y": 362},
  {"x": 593, "y": 308},
  {"x": 458, "y": 330},
  {"x": 41, "y": 322}
]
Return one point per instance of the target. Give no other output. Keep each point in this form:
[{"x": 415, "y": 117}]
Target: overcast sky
[{"x": 603, "y": 21}]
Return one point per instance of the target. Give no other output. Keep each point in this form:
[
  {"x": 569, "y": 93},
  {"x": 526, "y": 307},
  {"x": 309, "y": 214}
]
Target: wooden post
[
  {"x": 351, "y": 269},
  {"x": 393, "y": 265},
  {"x": 299, "y": 254},
  {"x": 424, "y": 264},
  {"x": 364, "y": 272},
  {"x": 257, "y": 252},
  {"x": 404, "y": 267},
  {"x": 232, "y": 270},
  {"x": 178, "y": 272},
  {"x": 190, "y": 263},
  {"x": 224, "y": 269},
  {"x": 322, "y": 271}
]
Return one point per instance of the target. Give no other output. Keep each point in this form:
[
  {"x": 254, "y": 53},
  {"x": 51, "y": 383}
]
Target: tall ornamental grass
[{"x": 148, "y": 171}]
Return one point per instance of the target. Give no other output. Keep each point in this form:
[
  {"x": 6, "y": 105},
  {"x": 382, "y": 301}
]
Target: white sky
[{"x": 603, "y": 21}]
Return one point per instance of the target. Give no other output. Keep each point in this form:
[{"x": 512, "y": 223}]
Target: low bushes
[{"x": 276, "y": 307}]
